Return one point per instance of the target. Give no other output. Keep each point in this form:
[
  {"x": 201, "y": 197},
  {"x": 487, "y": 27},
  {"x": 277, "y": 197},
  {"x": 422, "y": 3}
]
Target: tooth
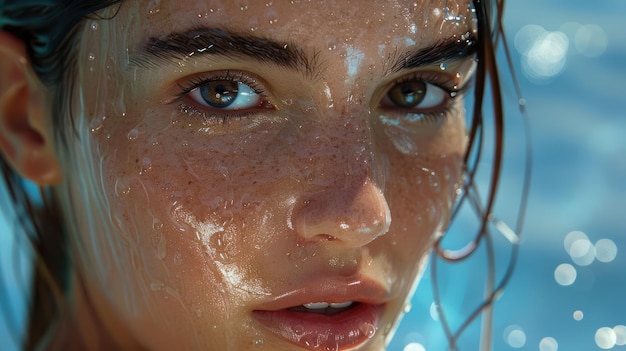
[
  {"x": 341, "y": 304},
  {"x": 316, "y": 305}
]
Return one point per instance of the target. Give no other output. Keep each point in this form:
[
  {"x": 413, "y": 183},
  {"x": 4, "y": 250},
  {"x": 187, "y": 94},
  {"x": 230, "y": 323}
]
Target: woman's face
[{"x": 264, "y": 175}]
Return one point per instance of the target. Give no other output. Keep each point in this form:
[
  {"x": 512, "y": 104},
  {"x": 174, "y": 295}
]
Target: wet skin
[{"x": 328, "y": 182}]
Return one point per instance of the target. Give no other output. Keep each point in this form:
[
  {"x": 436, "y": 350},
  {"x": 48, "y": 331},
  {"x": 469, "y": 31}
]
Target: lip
[{"x": 314, "y": 331}]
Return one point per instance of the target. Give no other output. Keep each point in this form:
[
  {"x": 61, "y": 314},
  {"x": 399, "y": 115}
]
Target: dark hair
[{"x": 49, "y": 30}]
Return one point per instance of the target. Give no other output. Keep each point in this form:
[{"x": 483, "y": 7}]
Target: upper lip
[{"x": 329, "y": 290}]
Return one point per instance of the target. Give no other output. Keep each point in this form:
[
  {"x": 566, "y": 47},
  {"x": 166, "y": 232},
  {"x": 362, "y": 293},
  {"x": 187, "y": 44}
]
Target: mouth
[{"x": 327, "y": 321}]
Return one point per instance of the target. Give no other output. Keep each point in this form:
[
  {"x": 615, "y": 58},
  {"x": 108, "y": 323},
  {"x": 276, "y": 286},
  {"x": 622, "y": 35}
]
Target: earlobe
[{"x": 26, "y": 140}]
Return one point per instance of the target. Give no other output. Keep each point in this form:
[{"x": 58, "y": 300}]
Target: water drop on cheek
[
  {"x": 146, "y": 165},
  {"x": 433, "y": 181},
  {"x": 331, "y": 44},
  {"x": 162, "y": 248},
  {"x": 96, "y": 124},
  {"x": 157, "y": 285},
  {"x": 178, "y": 258},
  {"x": 133, "y": 134},
  {"x": 122, "y": 187}
]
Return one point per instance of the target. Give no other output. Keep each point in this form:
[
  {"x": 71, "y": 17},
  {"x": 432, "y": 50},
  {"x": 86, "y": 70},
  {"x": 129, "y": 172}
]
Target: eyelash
[
  {"x": 438, "y": 114},
  {"x": 442, "y": 81},
  {"x": 223, "y": 116}
]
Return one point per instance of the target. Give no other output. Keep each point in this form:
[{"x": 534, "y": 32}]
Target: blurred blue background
[{"x": 569, "y": 288}]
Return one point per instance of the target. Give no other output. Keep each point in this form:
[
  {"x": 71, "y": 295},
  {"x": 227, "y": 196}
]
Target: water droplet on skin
[
  {"x": 146, "y": 165},
  {"x": 154, "y": 7},
  {"x": 161, "y": 248},
  {"x": 433, "y": 181},
  {"x": 254, "y": 23},
  {"x": 122, "y": 187},
  {"x": 133, "y": 134},
  {"x": 243, "y": 5},
  {"x": 271, "y": 16},
  {"x": 331, "y": 44},
  {"x": 258, "y": 342},
  {"x": 178, "y": 258},
  {"x": 368, "y": 329},
  {"x": 157, "y": 285},
  {"x": 298, "y": 330},
  {"x": 96, "y": 124}
]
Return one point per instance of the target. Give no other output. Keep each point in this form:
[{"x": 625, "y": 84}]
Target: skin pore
[{"x": 193, "y": 221}]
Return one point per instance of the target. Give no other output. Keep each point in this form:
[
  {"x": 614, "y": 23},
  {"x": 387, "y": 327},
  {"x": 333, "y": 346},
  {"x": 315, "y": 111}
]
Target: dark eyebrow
[
  {"x": 456, "y": 47},
  {"x": 219, "y": 42}
]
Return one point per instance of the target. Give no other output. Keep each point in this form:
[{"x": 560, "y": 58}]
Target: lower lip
[{"x": 314, "y": 331}]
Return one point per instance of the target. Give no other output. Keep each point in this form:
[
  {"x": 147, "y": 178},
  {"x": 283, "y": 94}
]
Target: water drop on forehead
[
  {"x": 154, "y": 7},
  {"x": 243, "y": 5},
  {"x": 272, "y": 16}
]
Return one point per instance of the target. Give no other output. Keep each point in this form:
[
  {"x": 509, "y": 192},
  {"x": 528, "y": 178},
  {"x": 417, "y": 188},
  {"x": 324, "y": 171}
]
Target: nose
[{"x": 354, "y": 214}]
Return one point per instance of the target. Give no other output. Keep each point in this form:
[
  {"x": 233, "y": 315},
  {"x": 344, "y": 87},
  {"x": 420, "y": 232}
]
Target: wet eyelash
[
  {"x": 197, "y": 81},
  {"x": 443, "y": 81},
  {"x": 211, "y": 117}
]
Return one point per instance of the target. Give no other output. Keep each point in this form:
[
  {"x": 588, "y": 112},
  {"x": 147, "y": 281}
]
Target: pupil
[
  {"x": 408, "y": 94},
  {"x": 219, "y": 93}
]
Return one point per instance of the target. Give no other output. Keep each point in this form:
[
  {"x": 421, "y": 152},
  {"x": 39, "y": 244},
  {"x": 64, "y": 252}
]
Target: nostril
[{"x": 353, "y": 216}]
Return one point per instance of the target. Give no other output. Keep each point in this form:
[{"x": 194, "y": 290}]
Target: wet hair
[{"x": 49, "y": 29}]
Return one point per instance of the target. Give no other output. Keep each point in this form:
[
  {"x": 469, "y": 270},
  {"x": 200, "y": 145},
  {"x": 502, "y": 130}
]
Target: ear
[{"x": 26, "y": 138}]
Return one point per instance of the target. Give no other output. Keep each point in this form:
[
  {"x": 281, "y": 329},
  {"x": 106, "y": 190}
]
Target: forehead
[{"x": 329, "y": 23}]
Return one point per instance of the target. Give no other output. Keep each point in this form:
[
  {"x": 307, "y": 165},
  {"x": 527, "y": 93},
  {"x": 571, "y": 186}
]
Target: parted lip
[{"x": 331, "y": 290}]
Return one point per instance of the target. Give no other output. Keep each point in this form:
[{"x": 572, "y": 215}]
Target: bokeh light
[
  {"x": 606, "y": 250},
  {"x": 544, "y": 53},
  {"x": 582, "y": 252},
  {"x": 591, "y": 40},
  {"x": 565, "y": 274},
  {"x": 548, "y": 344},
  {"x": 606, "y": 338},
  {"x": 414, "y": 346},
  {"x": 515, "y": 336},
  {"x": 434, "y": 313},
  {"x": 572, "y": 237},
  {"x": 620, "y": 335},
  {"x": 578, "y": 315}
]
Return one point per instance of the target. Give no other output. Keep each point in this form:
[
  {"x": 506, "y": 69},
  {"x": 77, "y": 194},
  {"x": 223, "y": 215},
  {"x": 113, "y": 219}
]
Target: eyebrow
[
  {"x": 453, "y": 48},
  {"x": 223, "y": 43}
]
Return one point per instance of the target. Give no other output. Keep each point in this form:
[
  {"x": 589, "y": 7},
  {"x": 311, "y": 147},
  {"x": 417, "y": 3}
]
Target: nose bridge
[{"x": 347, "y": 203}]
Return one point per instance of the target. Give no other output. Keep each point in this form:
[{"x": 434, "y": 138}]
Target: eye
[
  {"x": 225, "y": 94},
  {"x": 415, "y": 94}
]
